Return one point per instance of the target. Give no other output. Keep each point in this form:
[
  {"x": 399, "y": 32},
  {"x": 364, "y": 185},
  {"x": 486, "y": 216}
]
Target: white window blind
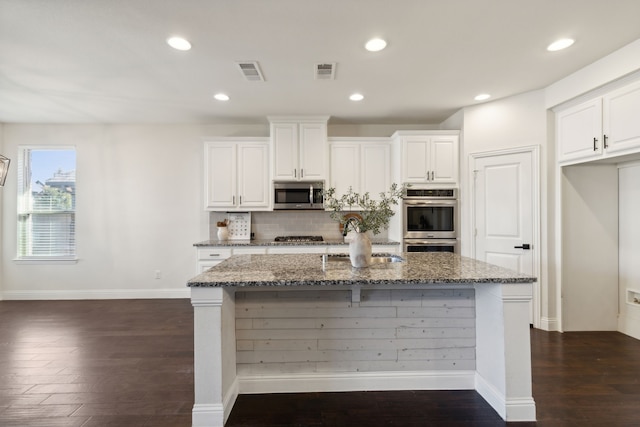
[{"x": 46, "y": 203}]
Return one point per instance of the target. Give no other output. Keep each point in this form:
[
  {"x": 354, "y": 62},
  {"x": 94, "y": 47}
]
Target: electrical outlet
[{"x": 158, "y": 274}]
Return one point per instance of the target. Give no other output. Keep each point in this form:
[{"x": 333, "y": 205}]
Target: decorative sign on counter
[{"x": 239, "y": 225}]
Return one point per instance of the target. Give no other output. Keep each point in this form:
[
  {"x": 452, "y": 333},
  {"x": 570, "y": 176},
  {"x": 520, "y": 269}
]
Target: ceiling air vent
[
  {"x": 325, "y": 71},
  {"x": 251, "y": 71}
]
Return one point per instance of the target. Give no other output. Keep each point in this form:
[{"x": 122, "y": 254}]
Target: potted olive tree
[{"x": 374, "y": 215}]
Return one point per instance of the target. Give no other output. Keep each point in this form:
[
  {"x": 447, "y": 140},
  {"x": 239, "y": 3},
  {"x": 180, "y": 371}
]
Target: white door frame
[{"x": 535, "y": 172}]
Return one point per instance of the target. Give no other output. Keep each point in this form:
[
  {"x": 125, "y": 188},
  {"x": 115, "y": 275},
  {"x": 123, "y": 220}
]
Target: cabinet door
[
  {"x": 313, "y": 151},
  {"x": 414, "y": 158},
  {"x": 220, "y": 175},
  {"x": 253, "y": 175},
  {"x": 579, "y": 131},
  {"x": 444, "y": 159},
  {"x": 345, "y": 167},
  {"x": 285, "y": 150},
  {"x": 375, "y": 169},
  {"x": 622, "y": 119}
]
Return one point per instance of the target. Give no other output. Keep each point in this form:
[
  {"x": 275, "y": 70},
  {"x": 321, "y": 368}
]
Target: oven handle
[
  {"x": 430, "y": 202},
  {"x": 433, "y": 242}
]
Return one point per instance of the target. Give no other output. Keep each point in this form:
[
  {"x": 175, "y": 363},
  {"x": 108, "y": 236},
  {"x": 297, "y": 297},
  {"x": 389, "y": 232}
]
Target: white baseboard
[
  {"x": 629, "y": 325},
  {"x": 509, "y": 409},
  {"x": 357, "y": 381},
  {"x": 97, "y": 294},
  {"x": 205, "y": 415},
  {"x": 550, "y": 324},
  {"x": 229, "y": 398}
]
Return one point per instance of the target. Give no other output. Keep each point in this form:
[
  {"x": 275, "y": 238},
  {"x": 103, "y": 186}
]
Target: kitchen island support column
[
  {"x": 503, "y": 349},
  {"x": 215, "y": 384}
]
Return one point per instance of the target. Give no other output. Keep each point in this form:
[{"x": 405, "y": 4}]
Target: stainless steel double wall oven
[{"x": 430, "y": 218}]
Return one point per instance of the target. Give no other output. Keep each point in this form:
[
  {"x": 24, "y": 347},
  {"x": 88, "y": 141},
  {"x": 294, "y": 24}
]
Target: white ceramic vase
[
  {"x": 223, "y": 233},
  {"x": 360, "y": 250}
]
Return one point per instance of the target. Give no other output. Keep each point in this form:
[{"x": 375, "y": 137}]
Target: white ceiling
[{"x": 106, "y": 61}]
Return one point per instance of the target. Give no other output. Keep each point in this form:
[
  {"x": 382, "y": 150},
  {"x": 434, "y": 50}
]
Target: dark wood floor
[{"x": 130, "y": 363}]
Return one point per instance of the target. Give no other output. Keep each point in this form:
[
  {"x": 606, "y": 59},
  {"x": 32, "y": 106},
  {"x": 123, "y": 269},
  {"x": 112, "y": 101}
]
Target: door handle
[
  {"x": 525, "y": 246},
  {"x": 595, "y": 141}
]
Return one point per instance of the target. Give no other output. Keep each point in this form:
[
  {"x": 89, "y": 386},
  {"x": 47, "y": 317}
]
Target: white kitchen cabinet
[
  {"x": 237, "y": 175},
  {"x": 428, "y": 157},
  {"x": 299, "y": 148},
  {"x": 603, "y": 127},
  {"x": 364, "y": 165},
  {"x": 621, "y": 116},
  {"x": 209, "y": 256},
  {"x": 579, "y": 131}
]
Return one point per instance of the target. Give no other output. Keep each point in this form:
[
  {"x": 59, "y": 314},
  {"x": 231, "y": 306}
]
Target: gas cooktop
[{"x": 298, "y": 239}]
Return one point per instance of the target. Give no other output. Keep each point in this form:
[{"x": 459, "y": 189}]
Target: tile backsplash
[{"x": 268, "y": 225}]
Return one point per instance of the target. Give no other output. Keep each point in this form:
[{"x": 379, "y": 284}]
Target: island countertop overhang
[{"x": 307, "y": 270}]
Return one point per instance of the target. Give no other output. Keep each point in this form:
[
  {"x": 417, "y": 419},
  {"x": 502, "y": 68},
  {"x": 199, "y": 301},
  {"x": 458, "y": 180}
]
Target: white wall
[
  {"x": 589, "y": 205},
  {"x": 517, "y": 121},
  {"x": 139, "y": 209},
  {"x": 1, "y": 201},
  {"x": 629, "y": 247}
]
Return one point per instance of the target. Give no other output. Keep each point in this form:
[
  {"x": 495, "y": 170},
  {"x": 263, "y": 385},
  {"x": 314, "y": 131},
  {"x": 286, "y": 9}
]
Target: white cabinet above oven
[{"x": 428, "y": 157}]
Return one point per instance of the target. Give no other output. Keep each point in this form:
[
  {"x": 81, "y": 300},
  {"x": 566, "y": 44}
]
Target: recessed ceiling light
[
  {"x": 559, "y": 45},
  {"x": 221, "y": 97},
  {"x": 356, "y": 97},
  {"x": 482, "y": 97},
  {"x": 179, "y": 43},
  {"x": 375, "y": 45}
]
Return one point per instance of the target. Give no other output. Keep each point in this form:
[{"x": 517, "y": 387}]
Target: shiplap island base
[{"x": 285, "y": 323}]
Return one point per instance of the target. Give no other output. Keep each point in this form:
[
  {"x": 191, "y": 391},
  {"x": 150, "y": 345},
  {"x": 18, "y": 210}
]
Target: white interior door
[{"x": 504, "y": 208}]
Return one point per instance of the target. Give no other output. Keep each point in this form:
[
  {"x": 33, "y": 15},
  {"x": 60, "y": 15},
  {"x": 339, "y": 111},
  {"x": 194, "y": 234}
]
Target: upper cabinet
[
  {"x": 362, "y": 164},
  {"x": 428, "y": 157},
  {"x": 606, "y": 126},
  {"x": 299, "y": 148},
  {"x": 237, "y": 174},
  {"x": 622, "y": 119},
  {"x": 579, "y": 131}
]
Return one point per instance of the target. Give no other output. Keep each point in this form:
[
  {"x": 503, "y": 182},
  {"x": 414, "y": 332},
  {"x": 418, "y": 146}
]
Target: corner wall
[{"x": 517, "y": 121}]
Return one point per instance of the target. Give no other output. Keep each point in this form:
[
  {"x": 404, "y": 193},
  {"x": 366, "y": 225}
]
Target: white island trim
[{"x": 503, "y": 362}]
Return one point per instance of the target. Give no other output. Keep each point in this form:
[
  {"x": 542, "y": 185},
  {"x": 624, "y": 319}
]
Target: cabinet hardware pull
[
  {"x": 240, "y": 199},
  {"x": 432, "y": 177},
  {"x": 525, "y": 246},
  {"x": 301, "y": 173},
  {"x": 605, "y": 137},
  {"x": 595, "y": 147},
  {"x": 214, "y": 254},
  {"x": 295, "y": 173},
  {"x": 233, "y": 200}
]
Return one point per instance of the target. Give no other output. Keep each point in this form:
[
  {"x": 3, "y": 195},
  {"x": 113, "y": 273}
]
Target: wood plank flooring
[{"x": 130, "y": 363}]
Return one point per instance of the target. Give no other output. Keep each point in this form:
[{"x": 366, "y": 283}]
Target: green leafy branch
[{"x": 375, "y": 214}]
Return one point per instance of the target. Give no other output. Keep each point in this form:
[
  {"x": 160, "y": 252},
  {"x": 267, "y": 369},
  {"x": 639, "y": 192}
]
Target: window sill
[{"x": 46, "y": 260}]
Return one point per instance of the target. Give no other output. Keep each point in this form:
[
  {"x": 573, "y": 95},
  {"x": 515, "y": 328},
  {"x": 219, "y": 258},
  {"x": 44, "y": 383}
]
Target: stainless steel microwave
[{"x": 298, "y": 195}]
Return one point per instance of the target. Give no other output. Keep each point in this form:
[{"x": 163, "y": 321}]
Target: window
[{"x": 46, "y": 203}]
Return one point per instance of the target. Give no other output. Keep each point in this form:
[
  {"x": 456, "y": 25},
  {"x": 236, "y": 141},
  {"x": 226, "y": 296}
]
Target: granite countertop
[
  {"x": 307, "y": 270},
  {"x": 267, "y": 242}
]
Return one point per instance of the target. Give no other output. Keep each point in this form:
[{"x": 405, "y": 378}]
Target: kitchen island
[{"x": 293, "y": 323}]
